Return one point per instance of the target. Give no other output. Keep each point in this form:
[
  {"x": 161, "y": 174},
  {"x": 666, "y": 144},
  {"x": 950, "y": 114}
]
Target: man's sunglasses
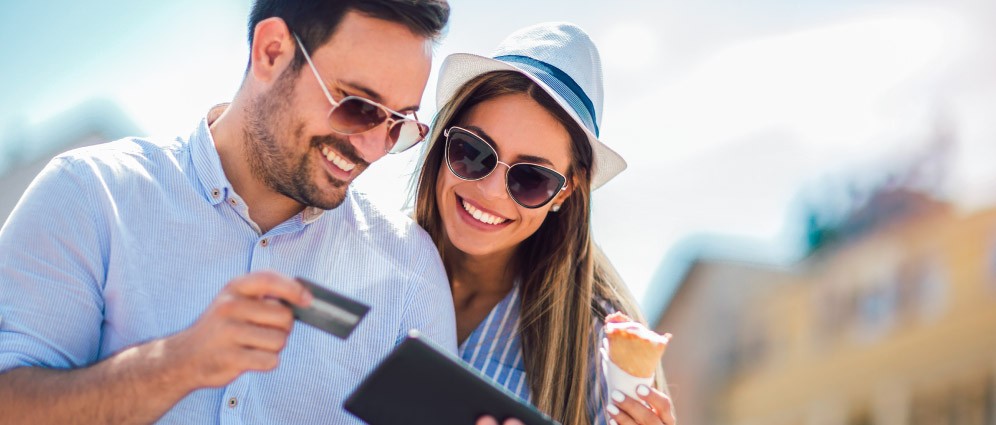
[
  {"x": 471, "y": 158},
  {"x": 355, "y": 115}
]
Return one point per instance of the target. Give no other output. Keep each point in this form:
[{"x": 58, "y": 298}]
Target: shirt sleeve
[
  {"x": 429, "y": 302},
  {"x": 51, "y": 273}
]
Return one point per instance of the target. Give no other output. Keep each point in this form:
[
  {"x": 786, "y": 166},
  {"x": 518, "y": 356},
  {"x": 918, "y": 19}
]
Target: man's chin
[{"x": 329, "y": 200}]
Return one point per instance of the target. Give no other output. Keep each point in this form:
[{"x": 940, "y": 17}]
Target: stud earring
[{"x": 556, "y": 207}]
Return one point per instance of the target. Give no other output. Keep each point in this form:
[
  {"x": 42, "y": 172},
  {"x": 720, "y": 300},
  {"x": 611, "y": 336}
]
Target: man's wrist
[{"x": 170, "y": 367}]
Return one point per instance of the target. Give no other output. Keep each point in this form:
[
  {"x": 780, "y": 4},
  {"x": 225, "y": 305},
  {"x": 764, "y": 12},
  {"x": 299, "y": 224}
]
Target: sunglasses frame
[
  {"x": 508, "y": 168},
  {"x": 390, "y": 113}
]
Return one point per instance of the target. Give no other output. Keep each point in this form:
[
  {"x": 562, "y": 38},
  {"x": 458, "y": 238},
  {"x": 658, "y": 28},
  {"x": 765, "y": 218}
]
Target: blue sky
[{"x": 724, "y": 108}]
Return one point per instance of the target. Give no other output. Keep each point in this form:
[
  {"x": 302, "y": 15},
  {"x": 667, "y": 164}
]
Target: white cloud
[{"x": 724, "y": 147}]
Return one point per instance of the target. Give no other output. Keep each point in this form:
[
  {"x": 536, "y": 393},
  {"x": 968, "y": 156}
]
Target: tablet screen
[{"x": 418, "y": 383}]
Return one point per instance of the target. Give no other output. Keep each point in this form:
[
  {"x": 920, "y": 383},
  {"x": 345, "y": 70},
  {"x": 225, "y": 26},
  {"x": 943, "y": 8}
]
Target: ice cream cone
[{"x": 633, "y": 348}]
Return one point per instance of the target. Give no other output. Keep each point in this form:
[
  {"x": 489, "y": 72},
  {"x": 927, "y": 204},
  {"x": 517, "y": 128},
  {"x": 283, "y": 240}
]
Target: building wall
[
  {"x": 898, "y": 327},
  {"x": 703, "y": 317}
]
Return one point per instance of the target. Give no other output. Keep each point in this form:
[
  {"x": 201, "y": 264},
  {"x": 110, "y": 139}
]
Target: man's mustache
[{"x": 342, "y": 146}]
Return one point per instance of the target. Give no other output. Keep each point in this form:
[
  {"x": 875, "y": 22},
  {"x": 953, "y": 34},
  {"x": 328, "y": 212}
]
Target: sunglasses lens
[
  {"x": 355, "y": 115},
  {"x": 533, "y": 186},
  {"x": 469, "y": 158},
  {"x": 405, "y": 134}
]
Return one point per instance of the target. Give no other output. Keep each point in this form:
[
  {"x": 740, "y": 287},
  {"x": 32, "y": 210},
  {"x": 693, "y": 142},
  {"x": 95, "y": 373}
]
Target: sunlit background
[{"x": 808, "y": 204}]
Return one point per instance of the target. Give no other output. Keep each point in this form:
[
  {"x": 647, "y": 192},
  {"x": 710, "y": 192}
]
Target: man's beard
[{"x": 274, "y": 162}]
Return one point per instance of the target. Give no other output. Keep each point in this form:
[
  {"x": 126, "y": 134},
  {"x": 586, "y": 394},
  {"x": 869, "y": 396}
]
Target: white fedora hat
[{"x": 563, "y": 61}]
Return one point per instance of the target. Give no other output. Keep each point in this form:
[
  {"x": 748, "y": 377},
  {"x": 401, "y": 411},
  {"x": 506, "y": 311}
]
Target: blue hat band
[{"x": 560, "y": 82}]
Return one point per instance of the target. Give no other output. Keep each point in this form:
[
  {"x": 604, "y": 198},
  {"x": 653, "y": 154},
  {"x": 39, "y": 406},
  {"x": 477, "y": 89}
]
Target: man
[{"x": 148, "y": 280}]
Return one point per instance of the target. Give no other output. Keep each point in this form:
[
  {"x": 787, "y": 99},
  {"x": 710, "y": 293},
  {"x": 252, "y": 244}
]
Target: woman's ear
[
  {"x": 564, "y": 194},
  {"x": 272, "y": 51}
]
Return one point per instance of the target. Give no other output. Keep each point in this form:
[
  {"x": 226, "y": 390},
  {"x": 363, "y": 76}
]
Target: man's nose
[{"x": 373, "y": 144}]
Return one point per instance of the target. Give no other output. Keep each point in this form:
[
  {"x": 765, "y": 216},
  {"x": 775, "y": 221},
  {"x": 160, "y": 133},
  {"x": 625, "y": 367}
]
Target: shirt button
[
  {"x": 215, "y": 193},
  {"x": 233, "y": 202},
  {"x": 265, "y": 242},
  {"x": 232, "y": 402}
]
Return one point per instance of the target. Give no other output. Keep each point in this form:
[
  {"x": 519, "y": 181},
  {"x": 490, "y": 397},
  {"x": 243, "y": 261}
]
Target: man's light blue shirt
[{"x": 130, "y": 241}]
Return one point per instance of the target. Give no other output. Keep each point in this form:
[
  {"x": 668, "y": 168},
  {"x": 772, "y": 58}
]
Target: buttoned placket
[
  {"x": 233, "y": 401},
  {"x": 238, "y": 205}
]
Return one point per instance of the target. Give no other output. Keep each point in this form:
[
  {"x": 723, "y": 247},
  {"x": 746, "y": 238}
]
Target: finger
[
  {"x": 635, "y": 409},
  {"x": 273, "y": 285},
  {"x": 512, "y": 421},
  {"x": 659, "y": 401},
  {"x": 258, "y": 360},
  {"x": 253, "y": 310},
  {"x": 618, "y": 417},
  {"x": 487, "y": 420},
  {"x": 262, "y": 312},
  {"x": 259, "y": 338}
]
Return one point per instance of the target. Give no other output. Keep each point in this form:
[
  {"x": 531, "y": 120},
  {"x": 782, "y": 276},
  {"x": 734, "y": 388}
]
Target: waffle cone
[{"x": 634, "y": 348}]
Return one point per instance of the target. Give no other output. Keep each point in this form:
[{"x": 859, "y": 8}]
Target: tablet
[{"x": 418, "y": 383}]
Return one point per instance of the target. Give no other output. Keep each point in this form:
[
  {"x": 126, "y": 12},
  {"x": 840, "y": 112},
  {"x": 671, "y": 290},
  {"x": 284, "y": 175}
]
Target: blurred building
[
  {"x": 891, "y": 319},
  {"x": 27, "y": 150}
]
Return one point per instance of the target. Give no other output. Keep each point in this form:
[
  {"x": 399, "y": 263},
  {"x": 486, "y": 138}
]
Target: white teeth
[
  {"x": 482, "y": 216},
  {"x": 339, "y": 161}
]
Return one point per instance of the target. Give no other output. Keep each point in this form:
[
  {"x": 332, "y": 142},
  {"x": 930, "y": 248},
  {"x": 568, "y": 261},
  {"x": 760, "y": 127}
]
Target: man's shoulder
[
  {"x": 124, "y": 155},
  {"x": 391, "y": 233},
  {"x": 383, "y": 223}
]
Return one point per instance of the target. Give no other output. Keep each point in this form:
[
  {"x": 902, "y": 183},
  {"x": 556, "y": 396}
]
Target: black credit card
[{"x": 329, "y": 311}]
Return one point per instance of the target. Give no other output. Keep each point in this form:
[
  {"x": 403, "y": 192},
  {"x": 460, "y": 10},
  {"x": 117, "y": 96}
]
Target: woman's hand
[
  {"x": 487, "y": 420},
  {"x": 626, "y": 411}
]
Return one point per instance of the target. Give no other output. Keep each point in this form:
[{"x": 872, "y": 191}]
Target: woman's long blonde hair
[{"x": 563, "y": 275}]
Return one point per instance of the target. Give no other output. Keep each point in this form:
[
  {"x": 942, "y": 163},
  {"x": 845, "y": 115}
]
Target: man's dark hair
[{"x": 315, "y": 21}]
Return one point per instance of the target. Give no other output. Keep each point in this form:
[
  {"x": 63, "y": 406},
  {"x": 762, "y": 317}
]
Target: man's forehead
[{"x": 378, "y": 59}]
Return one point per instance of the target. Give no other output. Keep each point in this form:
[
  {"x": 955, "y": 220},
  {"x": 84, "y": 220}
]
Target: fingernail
[
  {"x": 613, "y": 410},
  {"x": 643, "y": 391},
  {"x": 613, "y": 422},
  {"x": 308, "y": 297},
  {"x": 618, "y": 397}
]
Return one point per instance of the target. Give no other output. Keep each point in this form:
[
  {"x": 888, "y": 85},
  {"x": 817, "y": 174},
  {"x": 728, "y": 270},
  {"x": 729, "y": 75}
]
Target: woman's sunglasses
[
  {"x": 355, "y": 115},
  {"x": 471, "y": 158}
]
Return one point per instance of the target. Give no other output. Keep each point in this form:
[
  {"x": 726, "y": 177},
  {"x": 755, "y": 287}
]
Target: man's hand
[{"x": 244, "y": 328}]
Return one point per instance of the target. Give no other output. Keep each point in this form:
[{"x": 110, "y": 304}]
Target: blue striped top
[
  {"x": 129, "y": 241},
  {"x": 495, "y": 349}
]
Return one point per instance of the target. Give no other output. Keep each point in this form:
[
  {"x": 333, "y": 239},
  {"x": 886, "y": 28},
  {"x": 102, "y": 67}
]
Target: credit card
[{"x": 329, "y": 311}]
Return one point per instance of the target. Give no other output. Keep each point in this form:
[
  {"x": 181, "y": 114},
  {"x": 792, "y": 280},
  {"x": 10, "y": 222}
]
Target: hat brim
[{"x": 460, "y": 68}]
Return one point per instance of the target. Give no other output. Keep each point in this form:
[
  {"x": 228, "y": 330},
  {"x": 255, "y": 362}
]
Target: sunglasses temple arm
[{"x": 315, "y": 71}]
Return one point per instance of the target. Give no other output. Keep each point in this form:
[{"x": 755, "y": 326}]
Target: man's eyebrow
[
  {"x": 521, "y": 158},
  {"x": 373, "y": 95}
]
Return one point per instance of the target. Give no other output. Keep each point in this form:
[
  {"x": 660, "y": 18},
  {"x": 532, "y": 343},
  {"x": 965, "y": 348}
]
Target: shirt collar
[{"x": 207, "y": 164}]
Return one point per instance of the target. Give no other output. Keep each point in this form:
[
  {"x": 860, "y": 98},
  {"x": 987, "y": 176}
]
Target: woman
[{"x": 504, "y": 191}]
